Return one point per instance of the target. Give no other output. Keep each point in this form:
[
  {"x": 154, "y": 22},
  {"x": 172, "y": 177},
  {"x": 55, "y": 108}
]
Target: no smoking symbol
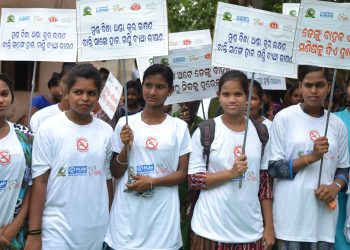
[
  {"x": 314, "y": 135},
  {"x": 151, "y": 143},
  {"x": 5, "y": 157},
  {"x": 237, "y": 151},
  {"x": 82, "y": 145}
]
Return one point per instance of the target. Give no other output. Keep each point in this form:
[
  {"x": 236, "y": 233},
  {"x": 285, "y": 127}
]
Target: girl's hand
[
  {"x": 141, "y": 183},
  {"x": 320, "y": 147},
  {"x": 4, "y": 241},
  {"x": 11, "y": 230},
  {"x": 33, "y": 242},
  {"x": 240, "y": 166},
  {"x": 268, "y": 238},
  {"x": 126, "y": 135},
  {"x": 327, "y": 193}
]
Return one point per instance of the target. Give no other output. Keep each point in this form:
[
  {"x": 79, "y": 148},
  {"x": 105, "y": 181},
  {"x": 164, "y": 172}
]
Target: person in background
[
  {"x": 15, "y": 173},
  {"x": 40, "y": 117},
  {"x": 256, "y": 103},
  {"x": 303, "y": 213},
  {"x": 104, "y": 73},
  {"x": 272, "y": 103},
  {"x": 54, "y": 96},
  {"x": 343, "y": 226},
  {"x": 293, "y": 96}
]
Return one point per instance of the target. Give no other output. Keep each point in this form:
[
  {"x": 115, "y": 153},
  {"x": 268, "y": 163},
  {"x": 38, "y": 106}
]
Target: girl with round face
[
  {"x": 240, "y": 217},
  {"x": 342, "y": 242},
  {"x": 297, "y": 147},
  {"x": 145, "y": 212},
  {"x": 72, "y": 186},
  {"x": 293, "y": 95},
  {"x": 15, "y": 178}
]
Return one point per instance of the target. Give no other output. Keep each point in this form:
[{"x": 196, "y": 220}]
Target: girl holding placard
[{"x": 302, "y": 218}]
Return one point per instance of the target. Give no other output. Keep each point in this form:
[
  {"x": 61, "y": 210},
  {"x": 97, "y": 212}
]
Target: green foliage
[{"x": 187, "y": 15}]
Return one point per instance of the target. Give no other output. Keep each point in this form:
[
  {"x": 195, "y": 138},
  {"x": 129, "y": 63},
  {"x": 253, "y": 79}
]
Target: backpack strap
[
  {"x": 207, "y": 129},
  {"x": 263, "y": 133}
]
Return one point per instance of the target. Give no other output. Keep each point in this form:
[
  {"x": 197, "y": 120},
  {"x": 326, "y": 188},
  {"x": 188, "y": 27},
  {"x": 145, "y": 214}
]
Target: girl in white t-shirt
[
  {"x": 255, "y": 108},
  {"x": 15, "y": 176},
  {"x": 303, "y": 218},
  {"x": 226, "y": 216},
  {"x": 147, "y": 215},
  {"x": 72, "y": 183}
]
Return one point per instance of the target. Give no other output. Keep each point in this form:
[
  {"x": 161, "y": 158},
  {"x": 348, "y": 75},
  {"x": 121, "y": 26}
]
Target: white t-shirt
[
  {"x": 267, "y": 123},
  {"x": 298, "y": 214},
  {"x": 149, "y": 223},
  {"x": 40, "y": 116},
  {"x": 75, "y": 213},
  {"x": 226, "y": 213},
  {"x": 12, "y": 169}
]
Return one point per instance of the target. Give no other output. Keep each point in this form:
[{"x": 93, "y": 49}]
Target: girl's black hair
[
  {"x": 258, "y": 89},
  {"x": 53, "y": 82},
  {"x": 134, "y": 85},
  {"x": 9, "y": 83},
  {"x": 162, "y": 70},
  {"x": 234, "y": 75},
  {"x": 303, "y": 70},
  {"x": 86, "y": 71},
  {"x": 292, "y": 89}
]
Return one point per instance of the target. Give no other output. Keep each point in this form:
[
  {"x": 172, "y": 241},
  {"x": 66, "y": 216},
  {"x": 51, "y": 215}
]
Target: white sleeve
[
  {"x": 108, "y": 158},
  {"x": 196, "y": 163},
  {"x": 42, "y": 153},
  {"x": 277, "y": 147},
  {"x": 343, "y": 159},
  {"x": 34, "y": 123},
  {"x": 185, "y": 146},
  {"x": 347, "y": 221},
  {"x": 117, "y": 142}
]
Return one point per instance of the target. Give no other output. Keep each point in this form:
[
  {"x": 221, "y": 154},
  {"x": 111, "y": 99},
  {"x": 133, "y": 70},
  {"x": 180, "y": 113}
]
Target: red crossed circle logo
[
  {"x": 238, "y": 150},
  {"x": 5, "y": 157},
  {"x": 314, "y": 135},
  {"x": 82, "y": 144},
  {"x": 151, "y": 143}
]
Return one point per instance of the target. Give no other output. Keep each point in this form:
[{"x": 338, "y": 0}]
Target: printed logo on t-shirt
[
  {"x": 61, "y": 172},
  {"x": 251, "y": 176},
  {"x": 94, "y": 171},
  {"x": 82, "y": 144},
  {"x": 145, "y": 169},
  {"x": 151, "y": 143},
  {"x": 162, "y": 170},
  {"x": 3, "y": 185},
  {"x": 5, "y": 157},
  {"x": 237, "y": 151},
  {"x": 13, "y": 184},
  {"x": 77, "y": 171},
  {"x": 314, "y": 135}
]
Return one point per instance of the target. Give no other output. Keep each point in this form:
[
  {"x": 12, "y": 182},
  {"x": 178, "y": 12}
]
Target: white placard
[
  {"x": 269, "y": 82},
  {"x": 38, "y": 35},
  {"x": 112, "y": 29},
  {"x": 194, "y": 77},
  {"x": 323, "y": 35},
  {"x": 178, "y": 40},
  {"x": 291, "y": 9},
  {"x": 254, "y": 40},
  {"x": 110, "y": 96}
]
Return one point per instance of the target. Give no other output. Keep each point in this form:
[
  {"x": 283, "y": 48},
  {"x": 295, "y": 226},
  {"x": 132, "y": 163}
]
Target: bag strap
[
  {"x": 263, "y": 133},
  {"x": 207, "y": 129}
]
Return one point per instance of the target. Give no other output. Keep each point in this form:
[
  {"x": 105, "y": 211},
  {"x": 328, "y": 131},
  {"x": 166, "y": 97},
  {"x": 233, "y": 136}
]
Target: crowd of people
[{"x": 164, "y": 180}]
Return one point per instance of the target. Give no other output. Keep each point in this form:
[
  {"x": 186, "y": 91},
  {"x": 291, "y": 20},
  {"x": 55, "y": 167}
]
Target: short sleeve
[
  {"x": 34, "y": 123},
  {"x": 117, "y": 142},
  {"x": 185, "y": 145},
  {"x": 265, "y": 158},
  {"x": 197, "y": 162},
  {"x": 42, "y": 152},
  {"x": 277, "y": 147}
]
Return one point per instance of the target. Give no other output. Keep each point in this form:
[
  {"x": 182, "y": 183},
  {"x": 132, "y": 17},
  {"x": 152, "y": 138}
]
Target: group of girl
[{"x": 69, "y": 203}]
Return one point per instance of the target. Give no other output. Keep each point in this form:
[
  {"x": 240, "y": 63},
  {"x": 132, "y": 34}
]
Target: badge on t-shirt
[
  {"x": 151, "y": 143},
  {"x": 82, "y": 144},
  {"x": 145, "y": 169},
  {"x": 5, "y": 157},
  {"x": 3, "y": 185},
  {"x": 237, "y": 151},
  {"x": 314, "y": 135}
]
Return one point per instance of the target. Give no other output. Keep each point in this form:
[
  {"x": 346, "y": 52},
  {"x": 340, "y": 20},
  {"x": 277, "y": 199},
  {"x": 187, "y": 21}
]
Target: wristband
[
  {"x": 34, "y": 232},
  {"x": 121, "y": 163},
  {"x": 338, "y": 185}
]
